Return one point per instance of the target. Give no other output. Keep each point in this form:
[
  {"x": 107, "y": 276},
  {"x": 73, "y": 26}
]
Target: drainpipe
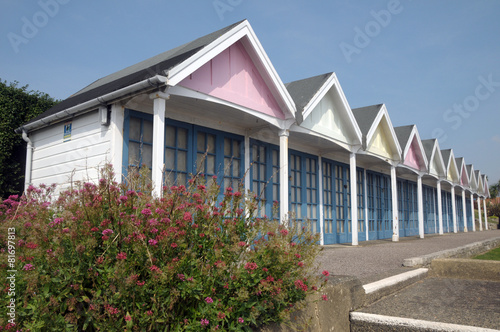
[{"x": 29, "y": 158}]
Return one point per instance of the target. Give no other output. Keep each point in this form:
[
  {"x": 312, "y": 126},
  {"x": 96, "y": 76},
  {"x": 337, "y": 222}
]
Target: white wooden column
[
  {"x": 420, "y": 207},
  {"x": 479, "y": 213},
  {"x": 159, "y": 107},
  {"x": 485, "y": 215},
  {"x": 472, "y": 212},
  {"x": 283, "y": 175},
  {"x": 395, "y": 215},
  {"x": 365, "y": 181},
  {"x": 354, "y": 198},
  {"x": 321, "y": 208},
  {"x": 454, "y": 208},
  {"x": 440, "y": 207},
  {"x": 247, "y": 163},
  {"x": 116, "y": 151},
  {"x": 464, "y": 212}
]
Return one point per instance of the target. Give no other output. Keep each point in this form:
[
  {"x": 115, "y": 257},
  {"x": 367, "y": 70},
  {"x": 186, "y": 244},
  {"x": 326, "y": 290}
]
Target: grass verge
[{"x": 493, "y": 255}]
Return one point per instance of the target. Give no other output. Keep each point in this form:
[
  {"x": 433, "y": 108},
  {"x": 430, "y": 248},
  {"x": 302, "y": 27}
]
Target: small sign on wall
[{"x": 67, "y": 131}]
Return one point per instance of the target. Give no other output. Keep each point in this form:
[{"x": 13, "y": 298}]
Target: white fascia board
[
  {"x": 299, "y": 129},
  {"x": 190, "y": 65},
  {"x": 486, "y": 189},
  {"x": 185, "y": 92},
  {"x": 420, "y": 145},
  {"x": 436, "y": 152},
  {"x": 383, "y": 114},
  {"x": 333, "y": 82},
  {"x": 318, "y": 96},
  {"x": 453, "y": 163},
  {"x": 473, "y": 180},
  {"x": 352, "y": 119},
  {"x": 479, "y": 183}
]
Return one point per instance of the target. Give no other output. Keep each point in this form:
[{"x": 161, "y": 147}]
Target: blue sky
[{"x": 435, "y": 64}]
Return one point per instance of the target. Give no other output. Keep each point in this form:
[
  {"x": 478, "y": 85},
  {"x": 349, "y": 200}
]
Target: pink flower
[
  {"x": 94, "y": 229},
  {"x": 121, "y": 255},
  {"x": 209, "y": 300},
  {"x": 242, "y": 243},
  {"x": 152, "y": 242},
  {"x": 181, "y": 276},
  {"x": 106, "y": 232},
  {"x": 241, "y": 320},
  {"x": 202, "y": 234},
  {"x": 146, "y": 212},
  {"x": 301, "y": 264},
  {"x": 250, "y": 266},
  {"x": 128, "y": 318},
  {"x": 154, "y": 268},
  {"x": 140, "y": 283},
  {"x": 204, "y": 322},
  {"x": 174, "y": 245},
  {"x": 284, "y": 232},
  {"x": 187, "y": 216},
  {"x": 325, "y": 298},
  {"x": 28, "y": 267},
  {"x": 149, "y": 313},
  {"x": 300, "y": 285},
  {"x": 326, "y": 273}
]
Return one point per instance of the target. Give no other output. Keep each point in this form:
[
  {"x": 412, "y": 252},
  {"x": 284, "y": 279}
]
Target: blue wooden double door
[
  {"x": 379, "y": 196},
  {"x": 337, "y": 210},
  {"x": 407, "y": 208}
]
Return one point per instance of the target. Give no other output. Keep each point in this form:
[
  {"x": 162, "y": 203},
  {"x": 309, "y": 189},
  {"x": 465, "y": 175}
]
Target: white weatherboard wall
[
  {"x": 56, "y": 161},
  {"x": 325, "y": 120}
]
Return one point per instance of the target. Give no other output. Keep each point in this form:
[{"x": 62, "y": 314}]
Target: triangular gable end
[
  {"x": 479, "y": 183},
  {"x": 414, "y": 156},
  {"x": 437, "y": 167},
  {"x": 464, "y": 180},
  {"x": 232, "y": 76},
  {"x": 486, "y": 187},
  {"x": 452, "y": 170},
  {"x": 381, "y": 139},
  {"x": 329, "y": 114},
  {"x": 472, "y": 177},
  {"x": 234, "y": 69}
]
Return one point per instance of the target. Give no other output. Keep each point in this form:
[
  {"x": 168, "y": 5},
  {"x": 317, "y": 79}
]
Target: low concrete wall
[
  {"x": 469, "y": 250},
  {"x": 466, "y": 269},
  {"x": 345, "y": 294}
]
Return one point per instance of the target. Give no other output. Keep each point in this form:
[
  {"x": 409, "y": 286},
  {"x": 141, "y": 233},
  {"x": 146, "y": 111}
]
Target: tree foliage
[
  {"x": 17, "y": 106},
  {"x": 494, "y": 189}
]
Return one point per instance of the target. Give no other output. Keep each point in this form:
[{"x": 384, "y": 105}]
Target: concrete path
[{"x": 375, "y": 260}]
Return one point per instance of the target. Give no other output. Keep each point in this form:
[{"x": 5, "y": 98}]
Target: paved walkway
[{"x": 375, "y": 260}]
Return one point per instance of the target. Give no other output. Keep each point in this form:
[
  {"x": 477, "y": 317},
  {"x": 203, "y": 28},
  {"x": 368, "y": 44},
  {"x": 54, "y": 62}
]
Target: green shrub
[{"x": 110, "y": 257}]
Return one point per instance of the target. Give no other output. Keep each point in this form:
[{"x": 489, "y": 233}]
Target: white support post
[
  {"x": 354, "y": 198},
  {"x": 247, "y": 163},
  {"x": 116, "y": 151},
  {"x": 485, "y": 215},
  {"x": 395, "y": 212},
  {"x": 464, "y": 211},
  {"x": 472, "y": 212},
  {"x": 440, "y": 207},
  {"x": 454, "y": 209},
  {"x": 479, "y": 213},
  {"x": 420, "y": 207},
  {"x": 365, "y": 179},
  {"x": 321, "y": 208},
  {"x": 283, "y": 175},
  {"x": 159, "y": 107}
]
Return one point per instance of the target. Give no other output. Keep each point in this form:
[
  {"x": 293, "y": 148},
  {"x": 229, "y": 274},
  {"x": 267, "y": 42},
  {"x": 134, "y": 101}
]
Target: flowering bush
[{"x": 110, "y": 257}]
